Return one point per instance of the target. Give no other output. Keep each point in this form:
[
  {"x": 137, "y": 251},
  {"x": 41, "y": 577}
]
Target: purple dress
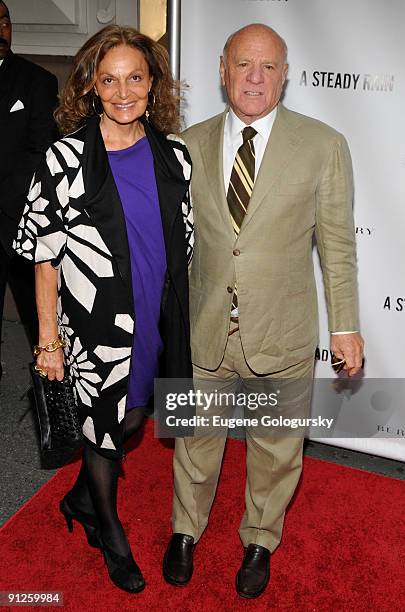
[{"x": 134, "y": 176}]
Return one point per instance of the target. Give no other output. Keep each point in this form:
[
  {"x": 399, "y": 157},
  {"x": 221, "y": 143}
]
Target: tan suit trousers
[{"x": 273, "y": 462}]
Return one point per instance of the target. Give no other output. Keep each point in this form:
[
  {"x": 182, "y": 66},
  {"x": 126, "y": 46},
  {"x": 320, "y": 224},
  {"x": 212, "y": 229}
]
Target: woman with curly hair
[{"x": 108, "y": 225}]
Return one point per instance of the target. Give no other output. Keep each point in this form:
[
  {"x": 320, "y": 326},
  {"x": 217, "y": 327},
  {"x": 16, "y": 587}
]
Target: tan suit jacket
[{"x": 304, "y": 188}]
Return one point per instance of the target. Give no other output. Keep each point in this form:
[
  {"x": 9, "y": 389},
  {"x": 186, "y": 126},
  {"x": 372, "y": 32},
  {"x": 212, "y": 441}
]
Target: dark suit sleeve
[
  {"x": 41, "y": 132},
  {"x": 42, "y": 128}
]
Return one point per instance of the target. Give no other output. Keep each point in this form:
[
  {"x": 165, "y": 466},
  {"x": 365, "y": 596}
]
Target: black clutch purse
[{"x": 59, "y": 423}]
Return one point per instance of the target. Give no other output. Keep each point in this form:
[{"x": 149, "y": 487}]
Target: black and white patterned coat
[{"x": 74, "y": 219}]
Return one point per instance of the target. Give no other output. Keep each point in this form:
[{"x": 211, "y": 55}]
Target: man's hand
[{"x": 350, "y": 348}]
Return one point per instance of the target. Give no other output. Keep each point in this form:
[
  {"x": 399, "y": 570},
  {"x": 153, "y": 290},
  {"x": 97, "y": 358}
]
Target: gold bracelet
[{"x": 51, "y": 347}]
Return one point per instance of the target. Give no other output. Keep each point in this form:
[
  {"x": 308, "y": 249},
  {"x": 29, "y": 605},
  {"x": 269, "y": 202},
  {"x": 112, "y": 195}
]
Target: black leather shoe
[
  {"x": 254, "y": 573},
  {"x": 178, "y": 559}
]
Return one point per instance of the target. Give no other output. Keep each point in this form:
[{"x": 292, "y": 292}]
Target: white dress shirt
[{"x": 233, "y": 140}]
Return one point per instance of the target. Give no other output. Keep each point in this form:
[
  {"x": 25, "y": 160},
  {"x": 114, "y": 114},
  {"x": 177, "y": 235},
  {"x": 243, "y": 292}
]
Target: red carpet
[{"x": 342, "y": 551}]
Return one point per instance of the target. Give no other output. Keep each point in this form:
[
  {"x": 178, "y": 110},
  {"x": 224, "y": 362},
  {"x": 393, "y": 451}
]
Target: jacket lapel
[
  {"x": 5, "y": 82},
  {"x": 283, "y": 142},
  {"x": 212, "y": 154},
  {"x": 102, "y": 201},
  {"x": 170, "y": 181}
]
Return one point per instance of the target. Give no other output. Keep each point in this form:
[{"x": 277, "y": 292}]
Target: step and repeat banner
[{"x": 347, "y": 69}]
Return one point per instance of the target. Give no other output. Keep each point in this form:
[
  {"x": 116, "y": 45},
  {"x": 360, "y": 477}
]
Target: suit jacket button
[
  {"x": 236, "y": 252},
  {"x": 229, "y": 289}
]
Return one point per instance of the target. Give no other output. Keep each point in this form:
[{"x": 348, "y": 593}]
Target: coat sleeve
[
  {"x": 336, "y": 238},
  {"x": 184, "y": 158},
  {"x": 187, "y": 209},
  {"x": 42, "y": 230}
]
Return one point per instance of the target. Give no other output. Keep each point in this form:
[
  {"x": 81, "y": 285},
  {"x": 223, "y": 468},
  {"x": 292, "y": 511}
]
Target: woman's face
[{"x": 123, "y": 83}]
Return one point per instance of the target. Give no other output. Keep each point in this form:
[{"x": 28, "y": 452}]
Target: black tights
[{"x": 95, "y": 489}]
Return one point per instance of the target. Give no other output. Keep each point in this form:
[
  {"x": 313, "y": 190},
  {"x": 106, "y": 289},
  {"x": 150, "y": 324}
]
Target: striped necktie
[{"x": 240, "y": 189}]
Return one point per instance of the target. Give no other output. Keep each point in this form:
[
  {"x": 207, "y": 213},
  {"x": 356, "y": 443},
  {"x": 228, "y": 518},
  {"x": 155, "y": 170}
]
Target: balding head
[
  {"x": 253, "y": 70},
  {"x": 257, "y": 29}
]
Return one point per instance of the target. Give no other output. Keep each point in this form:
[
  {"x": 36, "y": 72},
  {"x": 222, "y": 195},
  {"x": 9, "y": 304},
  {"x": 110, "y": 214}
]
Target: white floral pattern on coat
[
  {"x": 80, "y": 368},
  {"x": 77, "y": 242}
]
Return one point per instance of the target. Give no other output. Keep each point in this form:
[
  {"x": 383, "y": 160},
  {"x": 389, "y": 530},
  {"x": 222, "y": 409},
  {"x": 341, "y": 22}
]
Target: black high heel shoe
[
  {"x": 88, "y": 521},
  {"x": 123, "y": 571}
]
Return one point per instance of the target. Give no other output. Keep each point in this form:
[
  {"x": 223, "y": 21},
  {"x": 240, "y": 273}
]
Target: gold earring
[{"x": 147, "y": 113}]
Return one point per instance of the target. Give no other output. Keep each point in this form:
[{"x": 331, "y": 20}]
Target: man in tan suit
[{"x": 259, "y": 197}]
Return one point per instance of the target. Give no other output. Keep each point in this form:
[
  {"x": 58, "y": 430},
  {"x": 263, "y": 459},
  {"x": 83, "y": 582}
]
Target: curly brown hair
[{"x": 78, "y": 99}]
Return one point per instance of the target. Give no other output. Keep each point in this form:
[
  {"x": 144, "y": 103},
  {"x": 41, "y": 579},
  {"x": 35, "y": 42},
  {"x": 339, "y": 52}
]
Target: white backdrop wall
[
  {"x": 347, "y": 68},
  {"x": 61, "y": 27}
]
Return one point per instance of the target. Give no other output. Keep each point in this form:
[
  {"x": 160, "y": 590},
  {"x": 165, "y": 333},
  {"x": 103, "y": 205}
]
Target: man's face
[
  {"x": 5, "y": 31},
  {"x": 253, "y": 73}
]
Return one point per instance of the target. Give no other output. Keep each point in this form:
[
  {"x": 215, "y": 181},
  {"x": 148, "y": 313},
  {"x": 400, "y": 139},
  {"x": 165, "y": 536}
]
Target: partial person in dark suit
[{"x": 28, "y": 96}]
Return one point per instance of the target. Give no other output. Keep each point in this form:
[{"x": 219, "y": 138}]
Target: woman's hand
[
  {"x": 52, "y": 364},
  {"x": 46, "y": 281}
]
